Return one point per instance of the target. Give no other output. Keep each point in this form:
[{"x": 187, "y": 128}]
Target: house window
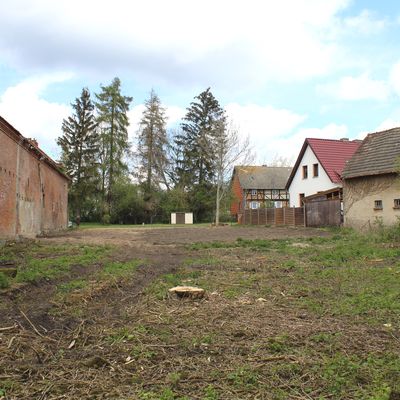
[
  {"x": 315, "y": 170},
  {"x": 305, "y": 172},
  {"x": 254, "y": 205},
  {"x": 396, "y": 203},
  {"x": 378, "y": 205},
  {"x": 301, "y": 199},
  {"x": 254, "y": 192}
]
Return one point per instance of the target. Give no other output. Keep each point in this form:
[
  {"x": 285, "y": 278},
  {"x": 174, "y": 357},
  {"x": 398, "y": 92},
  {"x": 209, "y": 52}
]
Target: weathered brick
[{"x": 33, "y": 191}]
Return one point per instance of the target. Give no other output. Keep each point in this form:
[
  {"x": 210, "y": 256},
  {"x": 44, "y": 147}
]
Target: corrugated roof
[
  {"x": 262, "y": 177},
  {"x": 377, "y": 155},
  {"x": 332, "y": 154}
]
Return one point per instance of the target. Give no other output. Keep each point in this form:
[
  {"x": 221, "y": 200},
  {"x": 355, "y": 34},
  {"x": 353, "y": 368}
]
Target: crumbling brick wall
[{"x": 33, "y": 193}]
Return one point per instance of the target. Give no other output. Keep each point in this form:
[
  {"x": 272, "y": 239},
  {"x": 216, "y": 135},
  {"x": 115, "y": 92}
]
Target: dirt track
[{"x": 181, "y": 235}]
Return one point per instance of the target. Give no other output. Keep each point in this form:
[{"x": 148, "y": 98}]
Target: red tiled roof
[{"x": 332, "y": 155}]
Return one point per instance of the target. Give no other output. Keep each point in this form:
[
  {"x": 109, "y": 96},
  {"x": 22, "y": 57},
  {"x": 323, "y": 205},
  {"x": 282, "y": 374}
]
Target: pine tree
[
  {"x": 152, "y": 145},
  {"x": 196, "y": 147},
  {"x": 112, "y": 108},
  {"x": 79, "y": 144}
]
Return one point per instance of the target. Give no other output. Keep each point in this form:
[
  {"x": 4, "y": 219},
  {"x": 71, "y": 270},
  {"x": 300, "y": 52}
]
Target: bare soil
[{"x": 119, "y": 339}]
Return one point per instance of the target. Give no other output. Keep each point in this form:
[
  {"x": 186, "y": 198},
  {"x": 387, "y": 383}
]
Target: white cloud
[
  {"x": 364, "y": 23},
  {"x": 23, "y": 107},
  {"x": 267, "y": 128},
  {"x": 388, "y": 123},
  {"x": 357, "y": 88},
  {"x": 225, "y": 41},
  {"x": 290, "y": 147},
  {"x": 277, "y": 132}
]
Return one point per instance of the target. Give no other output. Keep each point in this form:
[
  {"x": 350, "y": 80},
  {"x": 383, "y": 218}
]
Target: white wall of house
[{"x": 311, "y": 184}]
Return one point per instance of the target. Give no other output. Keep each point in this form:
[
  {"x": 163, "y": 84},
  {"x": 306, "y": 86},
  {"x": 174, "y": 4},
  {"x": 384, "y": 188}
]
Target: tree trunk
[{"x": 217, "y": 205}]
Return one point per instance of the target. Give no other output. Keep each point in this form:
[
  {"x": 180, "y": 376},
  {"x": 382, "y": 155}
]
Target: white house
[{"x": 319, "y": 167}]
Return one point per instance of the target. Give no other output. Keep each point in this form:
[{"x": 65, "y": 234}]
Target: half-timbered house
[{"x": 259, "y": 187}]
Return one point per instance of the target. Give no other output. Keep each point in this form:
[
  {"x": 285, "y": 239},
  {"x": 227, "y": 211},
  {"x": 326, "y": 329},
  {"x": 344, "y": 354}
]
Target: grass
[
  {"x": 120, "y": 269},
  {"x": 346, "y": 274},
  {"x": 327, "y": 326},
  {"x": 36, "y": 262},
  {"x": 60, "y": 263},
  {"x": 4, "y": 283},
  {"x": 70, "y": 286}
]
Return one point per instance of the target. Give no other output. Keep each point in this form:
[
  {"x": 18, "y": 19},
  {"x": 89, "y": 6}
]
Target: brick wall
[
  {"x": 33, "y": 194},
  {"x": 237, "y": 196}
]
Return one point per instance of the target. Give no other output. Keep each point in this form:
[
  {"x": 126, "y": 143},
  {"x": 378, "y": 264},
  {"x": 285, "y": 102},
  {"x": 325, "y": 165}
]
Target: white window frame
[{"x": 254, "y": 205}]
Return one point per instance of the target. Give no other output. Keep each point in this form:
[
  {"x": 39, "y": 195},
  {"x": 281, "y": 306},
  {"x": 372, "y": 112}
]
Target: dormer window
[{"x": 305, "y": 171}]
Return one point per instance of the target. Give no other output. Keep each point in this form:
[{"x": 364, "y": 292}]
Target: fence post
[
  {"x": 304, "y": 214},
  {"x": 284, "y": 215}
]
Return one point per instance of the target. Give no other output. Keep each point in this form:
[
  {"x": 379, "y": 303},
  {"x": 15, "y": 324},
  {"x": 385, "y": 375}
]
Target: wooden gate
[{"x": 323, "y": 213}]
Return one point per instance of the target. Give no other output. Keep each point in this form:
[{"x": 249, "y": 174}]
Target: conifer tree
[
  {"x": 79, "y": 145},
  {"x": 200, "y": 124},
  {"x": 112, "y": 108},
  {"x": 152, "y": 145},
  {"x": 196, "y": 146}
]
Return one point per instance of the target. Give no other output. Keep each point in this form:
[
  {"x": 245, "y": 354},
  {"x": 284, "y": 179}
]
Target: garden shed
[{"x": 181, "y": 218}]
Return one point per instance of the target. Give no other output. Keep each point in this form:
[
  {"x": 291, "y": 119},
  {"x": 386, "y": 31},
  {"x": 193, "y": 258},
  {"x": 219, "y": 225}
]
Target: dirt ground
[
  {"x": 127, "y": 339},
  {"x": 182, "y": 235}
]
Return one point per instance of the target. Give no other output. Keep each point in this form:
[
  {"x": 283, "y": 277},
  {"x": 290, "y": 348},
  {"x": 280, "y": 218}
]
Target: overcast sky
[{"x": 284, "y": 70}]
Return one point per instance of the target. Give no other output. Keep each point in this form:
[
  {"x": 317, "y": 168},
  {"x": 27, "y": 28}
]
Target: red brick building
[{"x": 33, "y": 189}]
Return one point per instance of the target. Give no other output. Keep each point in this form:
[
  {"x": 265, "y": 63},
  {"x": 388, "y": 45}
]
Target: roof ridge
[
  {"x": 385, "y": 131},
  {"x": 337, "y": 140}
]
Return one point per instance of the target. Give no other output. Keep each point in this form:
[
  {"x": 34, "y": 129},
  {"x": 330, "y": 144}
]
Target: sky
[{"x": 283, "y": 70}]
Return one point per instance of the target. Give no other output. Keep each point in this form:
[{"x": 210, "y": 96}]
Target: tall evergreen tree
[
  {"x": 196, "y": 146},
  {"x": 199, "y": 126},
  {"x": 112, "y": 108},
  {"x": 80, "y": 146},
  {"x": 152, "y": 144}
]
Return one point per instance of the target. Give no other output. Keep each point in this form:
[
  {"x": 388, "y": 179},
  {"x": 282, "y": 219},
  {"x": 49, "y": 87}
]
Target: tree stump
[{"x": 191, "y": 292}]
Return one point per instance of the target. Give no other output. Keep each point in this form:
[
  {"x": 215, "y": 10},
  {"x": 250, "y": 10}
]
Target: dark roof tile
[
  {"x": 377, "y": 155},
  {"x": 262, "y": 177}
]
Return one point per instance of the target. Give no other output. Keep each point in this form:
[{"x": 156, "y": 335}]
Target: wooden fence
[
  {"x": 293, "y": 216},
  {"x": 323, "y": 213}
]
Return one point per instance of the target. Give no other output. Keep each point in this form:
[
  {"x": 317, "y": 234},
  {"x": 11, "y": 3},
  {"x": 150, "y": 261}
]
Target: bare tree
[
  {"x": 230, "y": 150},
  {"x": 280, "y": 161}
]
